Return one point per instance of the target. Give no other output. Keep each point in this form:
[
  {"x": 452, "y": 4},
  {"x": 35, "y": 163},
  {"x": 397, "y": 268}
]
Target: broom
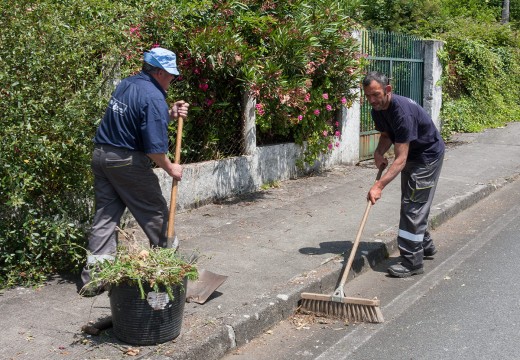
[{"x": 338, "y": 305}]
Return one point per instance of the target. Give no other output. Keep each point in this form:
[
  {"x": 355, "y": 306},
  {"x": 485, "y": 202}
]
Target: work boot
[
  {"x": 91, "y": 290},
  {"x": 401, "y": 271},
  {"x": 430, "y": 251}
]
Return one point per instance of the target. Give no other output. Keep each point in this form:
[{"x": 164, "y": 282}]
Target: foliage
[
  {"x": 280, "y": 53},
  {"x": 424, "y": 17},
  {"x": 276, "y": 51},
  {"x": 160, "y": 268},
  {"x": 52, "y": 56},
  {"x": 481, "y": 77},
  {"x": 311, "y": 64},
  {"x": 400, "y": 15},
  {"x": 270, "y": 185}
]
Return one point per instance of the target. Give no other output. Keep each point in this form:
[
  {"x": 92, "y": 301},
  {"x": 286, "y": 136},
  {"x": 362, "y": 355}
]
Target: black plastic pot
[{"x": 151, "y": 321}]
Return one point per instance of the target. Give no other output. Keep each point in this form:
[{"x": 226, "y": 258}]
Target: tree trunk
[{"x": 505, "y": 11}]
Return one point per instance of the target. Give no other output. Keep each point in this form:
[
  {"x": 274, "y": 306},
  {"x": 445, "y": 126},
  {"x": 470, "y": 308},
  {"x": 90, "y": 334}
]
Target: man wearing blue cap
[{"x": 132, "y": 134}]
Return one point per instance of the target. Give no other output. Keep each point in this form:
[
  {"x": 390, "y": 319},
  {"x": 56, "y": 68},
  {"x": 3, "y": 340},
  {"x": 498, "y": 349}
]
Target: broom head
[{"x": 349, "y": 308}]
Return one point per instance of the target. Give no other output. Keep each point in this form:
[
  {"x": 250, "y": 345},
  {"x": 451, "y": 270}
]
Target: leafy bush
[
  {"x": 477, "y": 71},
  {"x": 312, "y": 62},
  {"x": 52, "y": 58},
  {"x": 280, "y": 53}
]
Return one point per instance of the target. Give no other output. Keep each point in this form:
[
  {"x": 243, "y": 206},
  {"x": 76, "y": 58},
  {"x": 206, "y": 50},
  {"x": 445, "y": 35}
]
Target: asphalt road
[{"x": 465, "y": 306}]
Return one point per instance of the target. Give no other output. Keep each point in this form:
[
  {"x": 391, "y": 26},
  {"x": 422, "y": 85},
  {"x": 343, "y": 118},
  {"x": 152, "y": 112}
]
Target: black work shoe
[
  {"x": 430, "y": 252},
  {"x": 401, "y": 271}
]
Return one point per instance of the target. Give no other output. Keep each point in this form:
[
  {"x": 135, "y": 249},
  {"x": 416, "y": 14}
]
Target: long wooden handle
[
  {"x": 173, "y": 197},
  {"x": 358, "y": 236}
]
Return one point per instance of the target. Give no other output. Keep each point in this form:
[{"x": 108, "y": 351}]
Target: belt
[{"x": 110, "y": 147}]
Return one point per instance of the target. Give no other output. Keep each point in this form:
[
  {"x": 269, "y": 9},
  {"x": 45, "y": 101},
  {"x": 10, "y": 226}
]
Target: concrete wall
[
  {"x": 432, "y": 91},
  {"x": 212, "y": 180}
]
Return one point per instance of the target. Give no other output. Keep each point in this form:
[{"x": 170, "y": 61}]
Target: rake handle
[
  {"x": 173, "y": 196},
  {"x": 358, "y": 237}
]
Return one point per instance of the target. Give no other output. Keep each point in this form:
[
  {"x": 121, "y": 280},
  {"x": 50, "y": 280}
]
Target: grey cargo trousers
[
  {"x": 418, "y": 184},
  {"x": 123, "y": 179}
]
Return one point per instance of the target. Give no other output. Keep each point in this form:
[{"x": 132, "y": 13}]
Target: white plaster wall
[{"x": 432, "y": 90}]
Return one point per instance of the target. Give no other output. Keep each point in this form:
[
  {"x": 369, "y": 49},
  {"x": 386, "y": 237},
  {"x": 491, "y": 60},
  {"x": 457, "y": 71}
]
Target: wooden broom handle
[
  {"x": 173, "y": 197},
  {"x": 358, "y": 236}
]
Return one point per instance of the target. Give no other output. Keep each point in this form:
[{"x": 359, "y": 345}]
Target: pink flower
[
  {"x": 337, "y": 123},
  {"x": 260, "y": 109},
  {"x": 343, "y": 100},
  {"x": 325, "y": 96},
  {"x": 328, "y": 107},
  {"x": 316, "y": 112},
  {"x": 337, "y": 134},
  {"x": 337, "y": 143},
  {"x": 330, "y": 146},
  {"x": 307, "y": 97},
  {"x": 209, "y": 102},
  {"x": 203, "y": 87},
  {"x": 300, "y": 118},
  {"x": 156, "y": 45},
  {"x": 135, "y": 30},
  {"x": 325, "y": 133}
]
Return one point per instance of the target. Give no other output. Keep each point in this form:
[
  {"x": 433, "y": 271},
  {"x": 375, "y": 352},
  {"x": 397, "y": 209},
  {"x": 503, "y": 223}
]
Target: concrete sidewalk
[{"x": 273, "y": 245}]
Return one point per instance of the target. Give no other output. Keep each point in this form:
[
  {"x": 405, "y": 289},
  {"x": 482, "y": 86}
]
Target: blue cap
[{"x": 162, "y": 59}]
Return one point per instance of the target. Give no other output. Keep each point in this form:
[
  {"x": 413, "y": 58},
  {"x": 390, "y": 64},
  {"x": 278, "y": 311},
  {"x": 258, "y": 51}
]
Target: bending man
[{"x": 419, "y": 153}]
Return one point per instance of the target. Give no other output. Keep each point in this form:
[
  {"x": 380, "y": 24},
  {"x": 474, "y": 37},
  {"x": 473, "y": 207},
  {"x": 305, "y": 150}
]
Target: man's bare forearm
[{"x": 174, "y": 170}]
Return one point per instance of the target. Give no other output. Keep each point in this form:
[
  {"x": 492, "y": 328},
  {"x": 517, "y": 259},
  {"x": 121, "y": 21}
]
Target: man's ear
[{"x": 388, "y": 88}]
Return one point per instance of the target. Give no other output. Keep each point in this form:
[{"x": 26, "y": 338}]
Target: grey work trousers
[
  {"x": 418, "y": 184},
  {"x": 123, "y": 179}
]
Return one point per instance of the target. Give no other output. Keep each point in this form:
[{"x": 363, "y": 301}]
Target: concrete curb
[
  {"x": 267, "y": 313},
  {"x": 451, "y": 207}
]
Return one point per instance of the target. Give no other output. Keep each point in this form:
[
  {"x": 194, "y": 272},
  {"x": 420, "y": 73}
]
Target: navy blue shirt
[
  {"x": 136, "y": 117},
  {"x": 405, "y": 121}
]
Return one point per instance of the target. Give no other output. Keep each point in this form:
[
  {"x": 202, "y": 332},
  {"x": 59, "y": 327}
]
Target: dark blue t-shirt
[
  {"x": 136, "y": 117},
  {"x": 407, "y": 122}
]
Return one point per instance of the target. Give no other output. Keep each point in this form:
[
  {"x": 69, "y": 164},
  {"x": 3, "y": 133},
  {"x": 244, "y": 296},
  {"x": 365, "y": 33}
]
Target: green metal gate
[{"x": 401, "y": 58}]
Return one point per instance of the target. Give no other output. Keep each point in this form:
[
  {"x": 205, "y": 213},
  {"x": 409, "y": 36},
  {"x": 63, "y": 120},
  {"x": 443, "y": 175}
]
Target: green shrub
[
  {"x": 280, "y": 53},
  {"x": 311, "y": 63},
  {"x": 52, "y": 56},
  {"x": 481, "y": 77}
]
